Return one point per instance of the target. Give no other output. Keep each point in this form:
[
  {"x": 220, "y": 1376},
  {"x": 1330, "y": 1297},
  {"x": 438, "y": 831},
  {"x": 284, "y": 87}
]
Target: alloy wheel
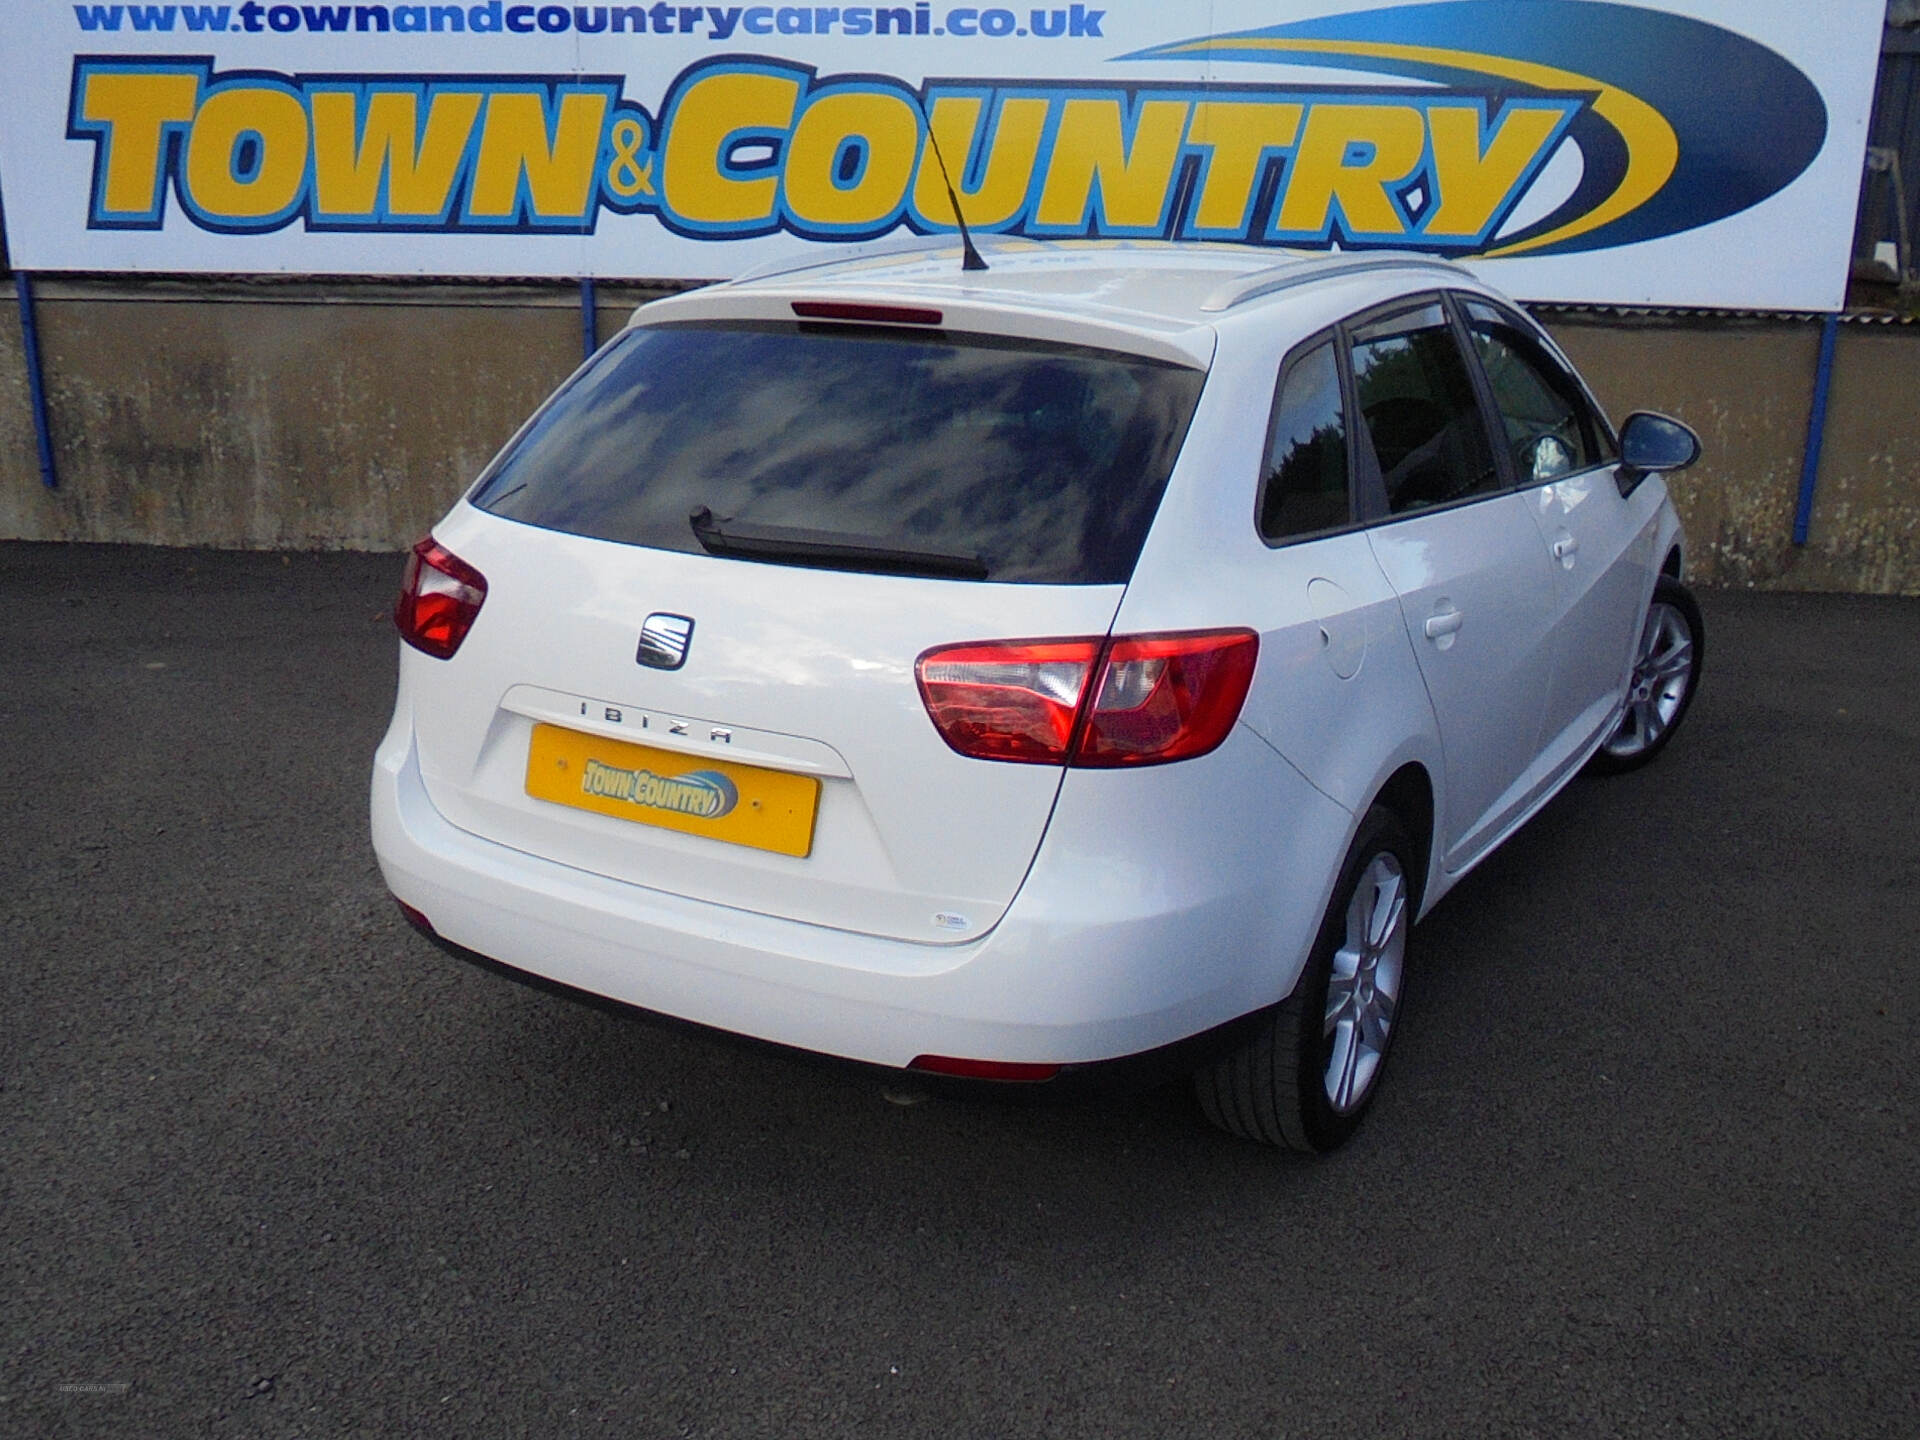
[
  {"x": 1662, "y": 673},
  {"x": 1363, "y": 992}
]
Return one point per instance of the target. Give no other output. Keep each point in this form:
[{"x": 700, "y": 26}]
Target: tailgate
[{"x": 797, "y": 689}]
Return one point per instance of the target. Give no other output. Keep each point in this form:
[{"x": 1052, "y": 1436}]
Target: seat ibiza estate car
[{"x": 1102, "y": 657}]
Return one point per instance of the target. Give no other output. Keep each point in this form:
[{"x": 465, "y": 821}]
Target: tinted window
[
  {"x": 1045, "y": 461},
  {"x": 1306, "y": 475},
  {"x": 1550, "y": 428},
  {"x": 1412, "y": 387}
]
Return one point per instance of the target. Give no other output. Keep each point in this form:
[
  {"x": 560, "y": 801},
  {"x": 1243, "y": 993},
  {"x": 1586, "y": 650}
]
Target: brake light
[
  {"x": 1131, "y": 700},
  {"x": 1016, "y": 700},
  {"x": 870, "y": 314},
  {"x": 1167, "y": 697},
  {"x": 440, "y": 595}
]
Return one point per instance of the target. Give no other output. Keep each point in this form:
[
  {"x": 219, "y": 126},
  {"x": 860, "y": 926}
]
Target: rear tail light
[
  {"x": 1013, "y": 701},
  {"x": 1131, "y": 700},
  {"x": 439, "y": 596},
  {"x": 1167, "y": 697}
]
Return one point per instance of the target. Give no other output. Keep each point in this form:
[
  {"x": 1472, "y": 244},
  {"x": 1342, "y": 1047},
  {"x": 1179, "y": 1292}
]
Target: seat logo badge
[{"x": 664, "y": 640}]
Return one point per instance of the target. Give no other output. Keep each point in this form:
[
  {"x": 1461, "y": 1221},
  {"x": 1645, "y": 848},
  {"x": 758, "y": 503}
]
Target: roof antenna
[{"x": 970, "y": 257}]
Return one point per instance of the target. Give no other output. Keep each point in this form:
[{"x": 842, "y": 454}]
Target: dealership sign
[{"x": 1702, "y": 152}]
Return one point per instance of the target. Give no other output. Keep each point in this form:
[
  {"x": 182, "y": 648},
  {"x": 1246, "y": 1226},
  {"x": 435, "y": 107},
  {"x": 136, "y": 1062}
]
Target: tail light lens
[
  {"x": 1132, "y": 700},
  {"x": 1013, "y": 701},
  {"x": 1167, "y": 697},
  {"x": 440, "y": 595}
]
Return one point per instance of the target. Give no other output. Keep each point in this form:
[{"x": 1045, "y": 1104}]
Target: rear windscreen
[{"x": 1046, "y": 462}]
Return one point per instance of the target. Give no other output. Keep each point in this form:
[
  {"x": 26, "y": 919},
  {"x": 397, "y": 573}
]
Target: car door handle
[
  {"x": 1565, "y": 548},
  {"x": 1444, "y": 623}
]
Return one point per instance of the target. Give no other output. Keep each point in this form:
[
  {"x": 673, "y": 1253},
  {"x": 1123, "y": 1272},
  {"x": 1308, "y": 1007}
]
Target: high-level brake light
[{"x": 869, "y": 314}]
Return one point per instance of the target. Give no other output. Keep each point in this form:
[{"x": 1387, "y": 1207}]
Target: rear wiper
[{"x": 824, "y": 549}]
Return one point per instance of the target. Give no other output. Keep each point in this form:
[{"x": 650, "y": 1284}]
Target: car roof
[
  {"x": 1159, "y": 295},
  {"x": 1149, "y": 278}
]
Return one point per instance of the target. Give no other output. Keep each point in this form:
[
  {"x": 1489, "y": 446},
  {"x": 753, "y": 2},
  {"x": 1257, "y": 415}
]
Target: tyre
[
  {"x": 1666, "y": 672},
  {"x": 1309, "y": 1074}
]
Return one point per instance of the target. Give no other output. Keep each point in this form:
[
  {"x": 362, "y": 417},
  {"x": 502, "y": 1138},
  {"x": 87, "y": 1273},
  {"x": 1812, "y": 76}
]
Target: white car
[{"x": 1102, "y": 657}]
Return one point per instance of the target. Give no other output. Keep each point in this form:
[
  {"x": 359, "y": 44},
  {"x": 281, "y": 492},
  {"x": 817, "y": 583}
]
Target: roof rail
[{"x": 1302, "y": 272}]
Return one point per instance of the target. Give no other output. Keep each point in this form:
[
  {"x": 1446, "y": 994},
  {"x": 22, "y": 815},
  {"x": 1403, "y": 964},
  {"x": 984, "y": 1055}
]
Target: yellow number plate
[{"x": 741, "y": 804}]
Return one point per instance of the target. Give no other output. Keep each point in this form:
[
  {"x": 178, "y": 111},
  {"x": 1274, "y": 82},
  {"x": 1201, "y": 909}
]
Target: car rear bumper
[{"x": 1103, "y": 954}]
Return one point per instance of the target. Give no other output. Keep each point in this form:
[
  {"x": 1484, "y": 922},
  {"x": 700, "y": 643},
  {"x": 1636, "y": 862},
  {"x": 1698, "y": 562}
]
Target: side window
[
  {"x": 1415, "y": 396},
  {"x": 1304, "y": 487},
  {"x": 1550, "y": 428}
]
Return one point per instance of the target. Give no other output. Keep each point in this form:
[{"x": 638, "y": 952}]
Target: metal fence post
[
  {"x": 1816, "y": 430},
  {"x": 36, "y": 384}
]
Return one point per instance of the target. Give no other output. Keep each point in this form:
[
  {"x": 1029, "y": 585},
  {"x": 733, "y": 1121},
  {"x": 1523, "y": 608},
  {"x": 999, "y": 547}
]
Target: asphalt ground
[{"x": 273, "y": 1165}]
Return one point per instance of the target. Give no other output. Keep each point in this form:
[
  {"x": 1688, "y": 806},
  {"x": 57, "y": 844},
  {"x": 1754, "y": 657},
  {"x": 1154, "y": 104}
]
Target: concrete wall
[
  {"x": 272, "y": 415},
  {"x": 1747, "y": 387},
  {"x": 330, "y": 415}
]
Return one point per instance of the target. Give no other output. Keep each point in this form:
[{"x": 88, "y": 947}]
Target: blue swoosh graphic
[{"x": 1740, "y": 122}]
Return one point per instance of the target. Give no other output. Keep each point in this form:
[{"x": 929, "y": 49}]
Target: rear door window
[
  {"x": 1046, "y": 462},
  {"x": 1417, "y": 402},
  {"x": 1304, "y": 487}
]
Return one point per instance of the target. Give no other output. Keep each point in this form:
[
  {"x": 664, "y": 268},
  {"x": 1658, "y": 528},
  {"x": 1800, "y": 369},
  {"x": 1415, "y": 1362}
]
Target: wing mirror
[{"x": 1652, "y": 444}]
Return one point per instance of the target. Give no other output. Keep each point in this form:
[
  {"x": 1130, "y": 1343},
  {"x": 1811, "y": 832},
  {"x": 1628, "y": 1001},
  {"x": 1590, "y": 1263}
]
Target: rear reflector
[
  {"x": 984, "y": 1069},
  {"x": 414, "y": 917},
  {"x": 440, "y": 595},
  {"x": 1131, "y": 700},
  {"x": 868, "y": 314}
]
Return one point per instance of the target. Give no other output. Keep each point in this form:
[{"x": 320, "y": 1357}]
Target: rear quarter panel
[{"x": 1337, "y": 693}]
